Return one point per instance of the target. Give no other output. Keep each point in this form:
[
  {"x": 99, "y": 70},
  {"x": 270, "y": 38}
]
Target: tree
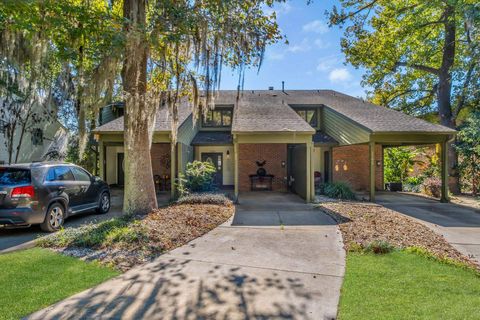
[
  {"x": 419, "y": 56},
  {"x": 468, "y": 146},
  {"x": 169, "y": 50},
  {"x": 163, "y": 41},
  {"x": 399, "y": 163}
]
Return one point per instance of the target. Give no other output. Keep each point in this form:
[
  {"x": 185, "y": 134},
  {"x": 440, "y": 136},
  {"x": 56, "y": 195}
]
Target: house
[
  {"x": 279, "y": 140},
  {"x": 43, "y": 138}
]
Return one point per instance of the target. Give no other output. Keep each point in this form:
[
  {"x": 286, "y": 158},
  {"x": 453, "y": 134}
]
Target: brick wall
[
  {"x": 273, "y": 153},
  {"x": 160, "y": 153},
  {"x": 351, "y": 164}
]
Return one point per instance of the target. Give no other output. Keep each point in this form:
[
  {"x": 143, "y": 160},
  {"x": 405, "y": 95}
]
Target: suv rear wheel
[
  {"x": 54, "y": 218},
  {"x": 104, "y": 203}
]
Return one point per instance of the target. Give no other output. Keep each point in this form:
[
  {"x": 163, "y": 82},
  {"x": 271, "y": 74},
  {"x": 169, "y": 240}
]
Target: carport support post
[
  {"x": 371, "y": 152},
  {"x": 444, "y": 164},
  {"x": 235, "y": 166},
  {"x": 173, "y": 162},
  {"x": 308, "y": 167}
]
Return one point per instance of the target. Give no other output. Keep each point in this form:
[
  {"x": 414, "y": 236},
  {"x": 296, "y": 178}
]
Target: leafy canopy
[{"x": 401, "y": 45}]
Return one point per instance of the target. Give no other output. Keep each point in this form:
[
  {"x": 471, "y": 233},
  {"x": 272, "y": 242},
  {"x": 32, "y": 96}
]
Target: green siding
[
  {"x": 187, "y": 131},
  {"x": 343, "y": 130}
]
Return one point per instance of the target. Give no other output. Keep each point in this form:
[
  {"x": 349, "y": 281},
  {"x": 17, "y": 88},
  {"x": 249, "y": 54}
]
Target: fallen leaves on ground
[
  {"x": 160, "y": 231},
  {"x": 363, "y": 223}
]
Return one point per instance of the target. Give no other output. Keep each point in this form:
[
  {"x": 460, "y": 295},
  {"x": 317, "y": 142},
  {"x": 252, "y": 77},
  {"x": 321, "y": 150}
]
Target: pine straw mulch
[
  {"x": 154, "y": 234},
  {"x": 363, "y": 223},
  {"x": 173, "y": 226}
]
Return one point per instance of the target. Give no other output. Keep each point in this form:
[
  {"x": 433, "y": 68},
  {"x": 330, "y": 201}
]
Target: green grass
[
  {"x": 35, "y": 278},
  {"x": 402, "y": 285}
]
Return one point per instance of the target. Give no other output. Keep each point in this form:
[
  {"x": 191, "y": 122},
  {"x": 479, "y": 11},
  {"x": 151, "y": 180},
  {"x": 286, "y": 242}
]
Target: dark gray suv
[{"x": 47, "y": 193}]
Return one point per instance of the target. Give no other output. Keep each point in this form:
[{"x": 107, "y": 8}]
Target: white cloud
[
  {"x": 299, "y": 47},
  {"x": 321, "y": 44},
  {"x": 327, "y": 63},
  {"x": 339, "y": 75},
  {"x": 275, "y": 56},
  {"x": 280, "y": 9},
  {"x": 316, "y": 26}
]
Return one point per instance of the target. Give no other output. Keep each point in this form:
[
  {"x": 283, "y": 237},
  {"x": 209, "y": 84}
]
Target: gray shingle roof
[
  {"x": 162, "y": 121},
  {"x": 212, "y": 138},
  {"x": 374, "y": 118},
  {"x": 269, "y": 111}
]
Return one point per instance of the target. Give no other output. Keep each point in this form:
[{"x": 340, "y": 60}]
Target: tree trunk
[
  {"x": 444, "y": 95},
  {"x": 140, "y": 197}
]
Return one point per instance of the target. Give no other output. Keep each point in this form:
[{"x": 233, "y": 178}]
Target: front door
[
  {"x": 217, "y": 160},
  {"x": 120, "y": 170},
  {"x": 326, "y": 166}
]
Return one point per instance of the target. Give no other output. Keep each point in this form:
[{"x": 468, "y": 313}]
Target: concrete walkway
[
  {"x": 460, "y": 225},
  {"x": 277, "y": 258}
]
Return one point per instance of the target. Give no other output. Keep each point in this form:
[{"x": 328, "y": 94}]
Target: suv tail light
[{"x": 27, "y": 191}]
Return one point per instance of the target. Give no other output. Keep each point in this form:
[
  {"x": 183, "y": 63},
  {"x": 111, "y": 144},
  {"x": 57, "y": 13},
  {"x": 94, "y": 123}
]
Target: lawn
[
  {"x": 33, "y": 279},
  {"x": 403, "y": 285}
]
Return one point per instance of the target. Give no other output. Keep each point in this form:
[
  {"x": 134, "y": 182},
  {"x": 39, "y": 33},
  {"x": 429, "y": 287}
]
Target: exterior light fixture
[
  {"x": 283, "y": 164},
  {"x": 228, "y": 154}
]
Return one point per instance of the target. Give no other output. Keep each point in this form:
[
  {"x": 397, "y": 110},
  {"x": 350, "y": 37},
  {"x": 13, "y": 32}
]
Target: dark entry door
[
  {"x": 326, "y": 166},
  {"x": 120, "y": 170},
  {"x": 217, "y": 160}
]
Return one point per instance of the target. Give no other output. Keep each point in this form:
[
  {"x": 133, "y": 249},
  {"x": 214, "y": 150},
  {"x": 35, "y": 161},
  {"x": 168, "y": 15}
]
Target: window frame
[
  {"x": 73, "y": 168},
  {"x": 52, "y": 169},
  {"x": 306, "y": 109},
  {"x": 37, "y": 137},
  {"x": 222, "y": 111}
]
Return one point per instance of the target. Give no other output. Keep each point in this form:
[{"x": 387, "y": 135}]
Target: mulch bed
[
  {"x": 162, "y": 230},
  {"x": 363, "y": 223}
]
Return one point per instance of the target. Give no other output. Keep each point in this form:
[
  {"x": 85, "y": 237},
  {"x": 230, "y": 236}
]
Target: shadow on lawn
[{"x": 165, "y": 290}]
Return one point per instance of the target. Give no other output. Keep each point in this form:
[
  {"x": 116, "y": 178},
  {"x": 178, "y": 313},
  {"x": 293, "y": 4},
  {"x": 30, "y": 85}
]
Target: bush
[
  {"x": 204, "y": 198},
  {"x": 117, "y": 231},
  {"x": 198, "y": 177},
  {"x": 339, "y": 190},
  {"x": 379, "y": 247},
  {"x": 413, "y": 184},
  {"x": 432, "y": 186}
]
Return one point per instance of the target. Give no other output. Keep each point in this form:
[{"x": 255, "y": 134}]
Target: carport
[{"x": 396, "y": 139}]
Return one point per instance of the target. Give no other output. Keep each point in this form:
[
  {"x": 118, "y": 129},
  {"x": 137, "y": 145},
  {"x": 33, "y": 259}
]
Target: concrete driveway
[
  {"x": 12, "y": 239},
  {"x": 277, "y": 258},
  {"x": 460, "y": 225}
]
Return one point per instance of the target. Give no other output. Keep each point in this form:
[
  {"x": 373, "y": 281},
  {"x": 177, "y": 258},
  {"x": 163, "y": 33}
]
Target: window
[
  {"x": 14, "y": 176},
  {"x": 80, "y": 174},
  {"x": 60, "y": 174},
  {"x": 220, "y": 117},
  {"x": 309, "y": 115},
  {"x": 37, "y": 137}
]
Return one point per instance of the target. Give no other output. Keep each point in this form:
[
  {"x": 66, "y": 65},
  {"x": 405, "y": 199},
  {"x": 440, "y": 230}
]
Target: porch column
[
  {"x": 235, "y": 166},
  {"x": 308, "y": 170},
  {"x": 444, "y": 164},
  {"x": 371, "y": 152},
  {"x": 173, "y": 162},
  {"x": 101, "y": 160}
]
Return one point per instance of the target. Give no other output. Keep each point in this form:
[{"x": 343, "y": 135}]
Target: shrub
[
  {"x": 398, "y": 162},
  {"x": 339, "y": 190},
  {"x": 379, "y": 247},
  {"x": 204, "y": 198},
  {"x": 198, "y": 177},
  {"x": 413, "y": 184},
  {"x": 117, "y": 231},
  {"x": 432, "y": 186}
]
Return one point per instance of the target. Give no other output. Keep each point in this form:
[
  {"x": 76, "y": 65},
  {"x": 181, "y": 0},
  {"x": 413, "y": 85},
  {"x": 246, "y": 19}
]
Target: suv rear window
[{"x": 14, "y": 176}]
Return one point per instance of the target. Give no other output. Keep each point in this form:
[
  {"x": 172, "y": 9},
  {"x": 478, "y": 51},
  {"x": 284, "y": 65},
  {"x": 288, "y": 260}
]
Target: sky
[{"x": 311, "y": 60}]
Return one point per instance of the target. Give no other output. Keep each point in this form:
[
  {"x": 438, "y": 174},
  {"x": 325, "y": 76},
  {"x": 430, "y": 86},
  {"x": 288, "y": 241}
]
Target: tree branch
[
  {"x": 466, "y": 83},
  {"x": 418, "y": 67}
]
